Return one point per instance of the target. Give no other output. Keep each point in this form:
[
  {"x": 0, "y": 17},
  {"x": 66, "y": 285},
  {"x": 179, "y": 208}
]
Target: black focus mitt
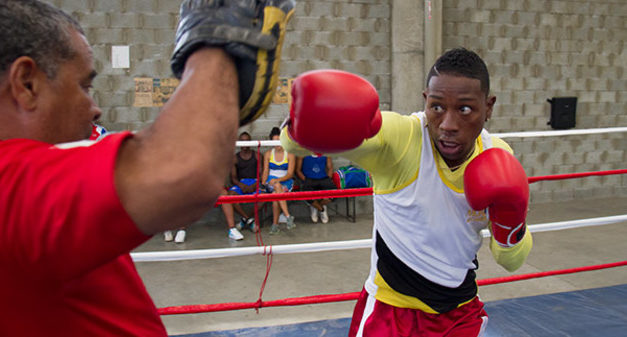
[{"x": 251, "y": 31}]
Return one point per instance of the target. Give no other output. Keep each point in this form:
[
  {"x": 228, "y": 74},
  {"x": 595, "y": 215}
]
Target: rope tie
[{"x": 267, "y": 250}]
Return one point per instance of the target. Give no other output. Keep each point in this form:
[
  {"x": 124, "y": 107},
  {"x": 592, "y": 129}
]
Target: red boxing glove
[
  {"x": 333, "y": 111},
  {"x": 495, "y": 180}
]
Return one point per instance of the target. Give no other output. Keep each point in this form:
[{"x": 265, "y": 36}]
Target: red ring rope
[
  {"x": 356, "y": 192},
  {"x": 201, "y": 308},
  {"x": 576, "y": 175},
  {"x": 359, "y": 192},
  {"x": 351, "y": 192},
  {"x": 513, "y": 278}
]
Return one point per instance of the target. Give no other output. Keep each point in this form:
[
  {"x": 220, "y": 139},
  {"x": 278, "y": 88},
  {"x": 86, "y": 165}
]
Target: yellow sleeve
[
  {"x": 501, "y": 144},
  {"x": 513, "y": 257},
  {"x": 392, "y": 156},
  {"x": 291, "y": 146}
]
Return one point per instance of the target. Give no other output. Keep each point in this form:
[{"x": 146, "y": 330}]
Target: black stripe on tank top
[{"x": 408, "y": 282}]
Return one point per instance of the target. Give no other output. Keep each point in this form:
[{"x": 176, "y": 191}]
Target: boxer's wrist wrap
[{"x": 251, "y": 31}]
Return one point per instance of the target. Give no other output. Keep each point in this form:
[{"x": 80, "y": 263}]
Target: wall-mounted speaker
[{"x": 563, "y": 110}]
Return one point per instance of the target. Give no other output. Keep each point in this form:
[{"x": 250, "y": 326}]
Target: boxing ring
[{"x": 616, "y": 310}]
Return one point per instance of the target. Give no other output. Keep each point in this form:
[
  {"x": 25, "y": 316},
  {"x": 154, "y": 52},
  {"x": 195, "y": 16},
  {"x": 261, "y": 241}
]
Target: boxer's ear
[
  {"x": 25, "y": 80},
  {"x": 490, "y": 101}
]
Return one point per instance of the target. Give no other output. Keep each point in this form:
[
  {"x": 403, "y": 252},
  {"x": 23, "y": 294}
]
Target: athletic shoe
[
  {"x": 167, "y": 236},
  {"x": 180, "y": 236},
  {"x": 290, "y": 222},
  {"x": 324, "y": 216},
  {"x": 250, "y": 224},
  {"x": 274, "y": 229},
  {"x": 234, "y": 234},
  {"x": 241, "y": 224},
  {"x": 314, "y": 214}
]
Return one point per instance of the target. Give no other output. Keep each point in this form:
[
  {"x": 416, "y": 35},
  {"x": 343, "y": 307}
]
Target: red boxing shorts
[{"x": 373, "y": 318}]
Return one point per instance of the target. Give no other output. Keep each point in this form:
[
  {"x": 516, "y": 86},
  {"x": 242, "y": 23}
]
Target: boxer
[{"x": 439, "y": 178}]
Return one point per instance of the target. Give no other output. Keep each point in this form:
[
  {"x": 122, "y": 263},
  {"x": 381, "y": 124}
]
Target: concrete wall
[{"x": 534, "y": 49}]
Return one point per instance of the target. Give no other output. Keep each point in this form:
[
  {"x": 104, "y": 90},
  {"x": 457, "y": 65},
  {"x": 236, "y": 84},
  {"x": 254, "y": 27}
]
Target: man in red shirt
[{"x": 71, "y": 212}]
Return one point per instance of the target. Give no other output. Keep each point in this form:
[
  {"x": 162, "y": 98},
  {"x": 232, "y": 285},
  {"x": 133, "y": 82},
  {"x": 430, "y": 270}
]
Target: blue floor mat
[{"x": 583, "y": 313}]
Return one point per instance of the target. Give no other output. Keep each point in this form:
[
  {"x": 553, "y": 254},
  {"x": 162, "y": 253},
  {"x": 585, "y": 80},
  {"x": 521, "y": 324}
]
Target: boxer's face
[
  {"x": 67, "y": 108},
  {"x": 456, "y": 110}
]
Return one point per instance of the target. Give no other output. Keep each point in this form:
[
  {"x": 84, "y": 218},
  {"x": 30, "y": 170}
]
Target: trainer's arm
[{"x": 171, "y": 173}]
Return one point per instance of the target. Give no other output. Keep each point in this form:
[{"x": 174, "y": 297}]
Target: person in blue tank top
[
  {"x": 316, "y": 171},
  {"x": 278, "y": 170}
]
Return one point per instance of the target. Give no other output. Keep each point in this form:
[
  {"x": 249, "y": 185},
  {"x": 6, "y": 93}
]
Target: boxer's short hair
[{"x": 462, "y": 62}]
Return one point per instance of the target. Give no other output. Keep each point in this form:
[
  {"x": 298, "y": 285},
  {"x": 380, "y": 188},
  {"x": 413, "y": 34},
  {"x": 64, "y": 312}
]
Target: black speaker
[{"x": 563, "y": 111}]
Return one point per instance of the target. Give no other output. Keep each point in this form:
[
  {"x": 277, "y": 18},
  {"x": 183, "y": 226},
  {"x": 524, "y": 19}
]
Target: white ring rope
[
  {"x": 522, "y": 134},
  {"x": 526, "y": 134},
  {"x": 556, "y": 226},
  {"x": 198, "y": 254}
]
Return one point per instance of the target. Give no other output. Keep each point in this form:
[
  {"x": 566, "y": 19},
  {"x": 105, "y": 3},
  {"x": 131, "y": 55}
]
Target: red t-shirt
[{"x": 64, "y": 244}]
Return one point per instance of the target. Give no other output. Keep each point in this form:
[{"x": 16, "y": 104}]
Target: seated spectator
[
  {"x": 278, "y": 170},
  {"x": 244, "y": 180},
  {"x": 316, "y": 172}
]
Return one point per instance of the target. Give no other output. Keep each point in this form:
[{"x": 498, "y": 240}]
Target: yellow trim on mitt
[{"x": 266, "y": 80}]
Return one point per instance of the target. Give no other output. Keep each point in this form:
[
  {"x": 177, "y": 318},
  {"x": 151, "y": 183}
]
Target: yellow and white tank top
[
  {"x": 276, "y": 168},
  {"x": 425, "y": 235},
  {"x": 428, "y": 224}
]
